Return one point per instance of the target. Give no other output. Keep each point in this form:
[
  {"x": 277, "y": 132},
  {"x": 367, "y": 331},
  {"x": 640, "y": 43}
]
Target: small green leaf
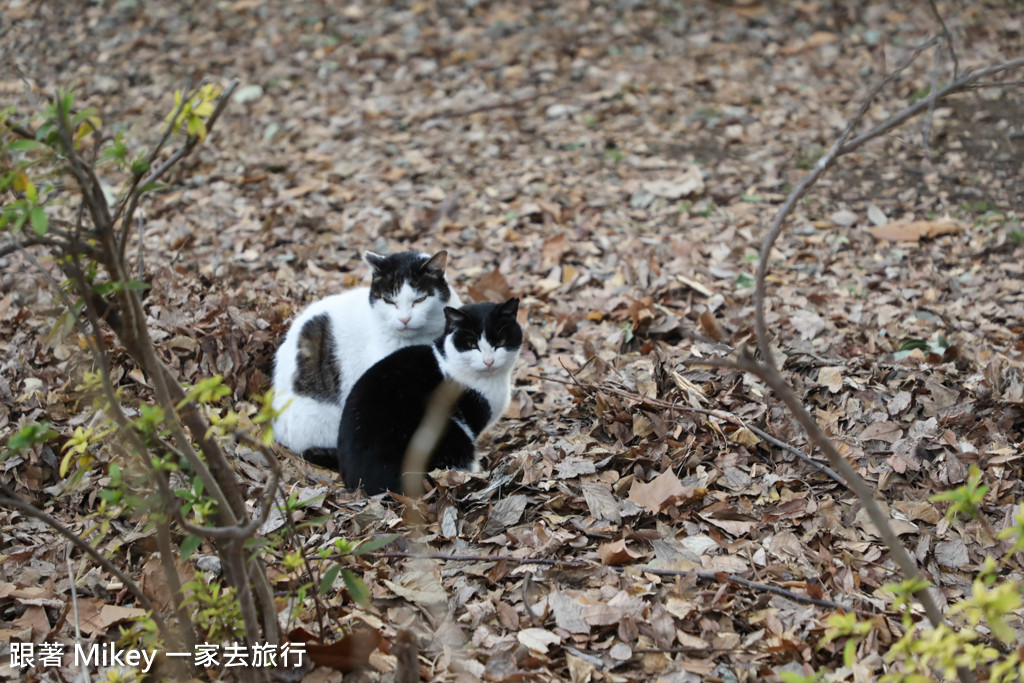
[
  {"x": 19, "y": 220},
  {"x": 327, "y": 580},
  {"x": 357, "y": 588},
  {"x": 83, "y": 115},
  {"x": 850, "y": 653},
  {"x": 40, "y": 223},
  {"x": 913, "y": 343},
  {"x": 30, "y": 434},
  {"x": 149, "y": 187},
  {"x": 189, "y": 545},
  {"x": 744, "y": 280},
  {"x": 136, "y": 285},
  {"x": 25, "y": 145}
]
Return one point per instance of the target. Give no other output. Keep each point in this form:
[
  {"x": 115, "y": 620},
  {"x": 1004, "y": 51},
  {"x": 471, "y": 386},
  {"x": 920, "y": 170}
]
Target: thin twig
[
  {"x": 926, "y": 127},
  {"x": 8, "y": 499},
  {"x": 131, "y": 197},
  {"x": 572, "y": 564},
  {"x": 764, "y": 587},
  {"x": 721, "y": 414},
  {"x": 856, "y": 483},
  {"x": 767, "y": 369},
  {"x": 996, "y": 84},
  {"x": 965, "y": 82},
  {"x": 838, "y": 149},
  {"x": 240, "y": 531},
  {"x": 580, "y": 564},
  {"x": 74, "y": 608},
  {"x": 948, "y": 38},
  {"x": 182, "y": 152}
]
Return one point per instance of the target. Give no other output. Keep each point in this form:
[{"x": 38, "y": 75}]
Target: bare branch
[
  {"x": 965, "y": 82},
  {"x": 150, "y": 160},
  {"x": 770, "y": 375},
  {"x": 240, "y": 531},
  {"x": 926, "y": 129},
  {"x": 8, "y": 249},
  {"x": 8, "y": 499},
  {"x": 838, "y": 149},
  {"x": 947, "y": 38},
  {"x": 711, "y": 412},
  {"x": 182, "y": 152}
]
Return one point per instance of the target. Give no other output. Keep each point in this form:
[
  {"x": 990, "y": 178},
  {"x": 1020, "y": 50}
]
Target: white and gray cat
[
  {"x": 335, "y": 340},
  {"x": 477, "y": 351}
]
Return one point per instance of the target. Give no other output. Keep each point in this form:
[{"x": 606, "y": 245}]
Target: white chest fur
[{"x": 486, "y": 369}]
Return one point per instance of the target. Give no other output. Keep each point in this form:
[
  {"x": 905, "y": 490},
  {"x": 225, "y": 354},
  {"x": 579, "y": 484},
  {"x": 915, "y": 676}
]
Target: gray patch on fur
[{"x": 318, "y": 375}]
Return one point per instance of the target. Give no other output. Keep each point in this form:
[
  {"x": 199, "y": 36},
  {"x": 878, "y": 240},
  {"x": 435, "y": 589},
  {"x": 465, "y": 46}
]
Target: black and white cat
[
  {"x": 336, "y": 339},
  {"x": 478, "y": 350}
]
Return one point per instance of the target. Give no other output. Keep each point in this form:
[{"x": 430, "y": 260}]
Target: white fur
[
  {"x": 470, "y": 369},
  {"x": 363, "y": 334}
]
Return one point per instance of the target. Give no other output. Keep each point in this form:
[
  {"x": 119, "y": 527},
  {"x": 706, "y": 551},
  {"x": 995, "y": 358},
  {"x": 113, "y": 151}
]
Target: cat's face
[
  {"x": 408, "y": 290},
  {"x": 483, "y": 338}
]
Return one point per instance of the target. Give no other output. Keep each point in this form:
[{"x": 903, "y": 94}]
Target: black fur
[
  {"x": 321, "y": 457},
  {"x": 317, "y": 375},
  {"x": 383, "y": 411},
  {"x": 423, "y": 273}
]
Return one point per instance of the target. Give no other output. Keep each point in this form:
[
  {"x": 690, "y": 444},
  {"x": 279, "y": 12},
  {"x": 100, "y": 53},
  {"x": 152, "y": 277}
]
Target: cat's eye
[
  {"x": 420, "y": 300},
  {"x": 388, "y": 300}
]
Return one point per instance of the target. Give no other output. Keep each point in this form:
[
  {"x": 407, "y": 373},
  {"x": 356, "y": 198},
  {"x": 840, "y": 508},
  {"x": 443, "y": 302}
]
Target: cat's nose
[
  {"x": 404, "y": 319},
  {"x": 488, "y": 362}
]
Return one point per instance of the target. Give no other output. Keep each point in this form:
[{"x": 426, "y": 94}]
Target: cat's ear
[
  {"x": 509, "y": 308},
  {"x": 453, "y": 317},
  {"x": 375, "y": 261},
  {"x": 436, "y": 263}
]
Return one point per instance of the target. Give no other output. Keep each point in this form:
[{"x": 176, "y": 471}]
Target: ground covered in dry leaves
[{"x": 614, "y": 165}]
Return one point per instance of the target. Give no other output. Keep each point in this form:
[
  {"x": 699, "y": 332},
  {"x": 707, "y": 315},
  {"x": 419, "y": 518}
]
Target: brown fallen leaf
[
  {"x": 601, "y": 502},
  {"x": 505, "y": 513},
  {"x": 537, "y": 639},
  {"x": 568, "y": 612},
  {"x": 490, "y": 287},
  {"x": 616, "y": 553},
  {"x": 831, "y": 378},
  {"x": 34, "y": 618},
  {"x": 554, "y": 250},
  {"x": 710, "y": 326},
  {"x": 886, "y": 430},
  {"x": 605, "y": 612},
  {"x": 914, "y": 231},
  {"x": 155, "y": 585},
  {"x": 744, "y": 437},
  {"x": 661, "y": 493},
  {"x": 419, "y": 585},
  {"x": 735, "y": 527},
  {"x": 107, "y": 616},
  {"x": 348, "y": 654}
]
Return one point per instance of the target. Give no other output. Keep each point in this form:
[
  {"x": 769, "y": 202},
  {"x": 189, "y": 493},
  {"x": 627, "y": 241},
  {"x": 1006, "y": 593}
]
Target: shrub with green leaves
[{"x": 977, "y": 635}]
